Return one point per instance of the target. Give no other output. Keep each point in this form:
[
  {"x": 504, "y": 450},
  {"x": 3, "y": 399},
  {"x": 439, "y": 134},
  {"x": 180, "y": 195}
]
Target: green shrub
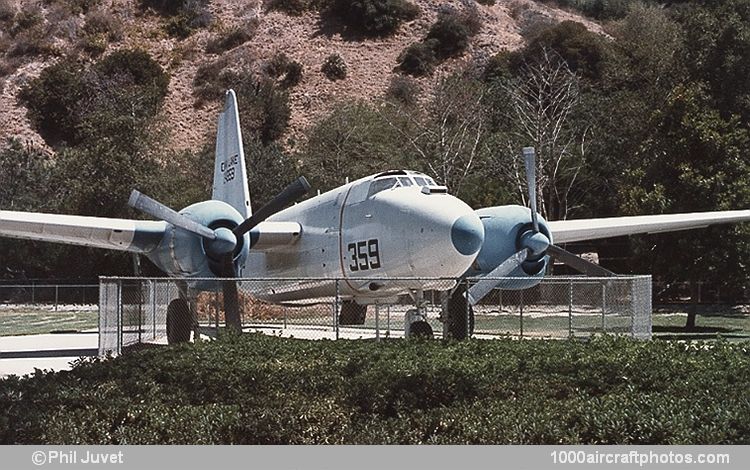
[
  {"x": 371, "y": 17},
  {"x": 7, "y": 10},
  {"x": 232, "y": 38},
  {"x": 102, "y": 22},
  {"x": 418, "y": 58},
  {"x": 56, "y": 99},
  {"x": 293, "y": 7},
  {"x": 184, "y": 16},
  {"x": 280, "y": 65},
  {"x": 257, "y": 389},
  {"x": 403, "y": 90},
  {"x": 293, "y": 74},
  {"x": 52, "y": 98},
  {"x": 452, "y": 31},
  {"x": 334, "y": 67},
  {"x": 583, "y": 50}
]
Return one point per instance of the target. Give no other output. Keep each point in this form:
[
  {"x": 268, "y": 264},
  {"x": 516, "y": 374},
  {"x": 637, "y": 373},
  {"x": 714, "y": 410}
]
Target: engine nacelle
[
  {"x": 504, "y": 226},
  {"x": 183, "y": 254}
]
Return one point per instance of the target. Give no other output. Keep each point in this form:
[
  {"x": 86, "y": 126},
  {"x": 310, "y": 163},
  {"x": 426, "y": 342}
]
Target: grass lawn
[{"x": 33, "y": 320}]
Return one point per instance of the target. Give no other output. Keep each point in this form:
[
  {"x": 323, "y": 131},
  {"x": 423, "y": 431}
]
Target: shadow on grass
[{"x": 698, "y": 333}]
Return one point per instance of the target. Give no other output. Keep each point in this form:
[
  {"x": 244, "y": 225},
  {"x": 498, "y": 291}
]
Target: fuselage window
[{"x": 381, "y": 185}]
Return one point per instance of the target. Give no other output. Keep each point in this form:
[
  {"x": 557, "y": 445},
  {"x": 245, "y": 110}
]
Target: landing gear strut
[{"x": 459, "y": 315}]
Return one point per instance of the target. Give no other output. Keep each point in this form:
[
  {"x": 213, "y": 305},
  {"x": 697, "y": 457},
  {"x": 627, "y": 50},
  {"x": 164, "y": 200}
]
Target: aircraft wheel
[
  {"x": 352, "y": 313},
  {"x": 457, "y": 315},
  {"x": 179, "y": 320},
  {"x": 420, "y": 329}
]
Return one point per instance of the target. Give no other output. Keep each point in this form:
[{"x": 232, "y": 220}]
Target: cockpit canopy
[{"x": 396, "y": 179}]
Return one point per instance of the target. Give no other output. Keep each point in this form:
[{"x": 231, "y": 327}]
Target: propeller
[
  {"x": 534, "y": 244},
  {"x": 221, "y": 242}
]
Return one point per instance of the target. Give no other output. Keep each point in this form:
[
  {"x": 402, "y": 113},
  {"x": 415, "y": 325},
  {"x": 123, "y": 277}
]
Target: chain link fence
[{"x": 137, "y": 312}]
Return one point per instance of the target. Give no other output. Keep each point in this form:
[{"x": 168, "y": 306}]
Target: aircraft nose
[{"x": 467, "y": 234}]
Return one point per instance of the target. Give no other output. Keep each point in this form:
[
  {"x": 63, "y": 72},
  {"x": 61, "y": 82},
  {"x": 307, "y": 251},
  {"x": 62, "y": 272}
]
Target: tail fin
[{"x": 230, "y": 173}]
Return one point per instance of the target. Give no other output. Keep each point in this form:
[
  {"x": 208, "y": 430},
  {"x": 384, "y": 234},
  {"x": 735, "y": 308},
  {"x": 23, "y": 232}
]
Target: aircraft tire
[
  {"x": 457, "y": 315},
  {"x": 179, "y": 321},
  {"x": 420, "y": 329},
  {"x": 352, "y": 313}
]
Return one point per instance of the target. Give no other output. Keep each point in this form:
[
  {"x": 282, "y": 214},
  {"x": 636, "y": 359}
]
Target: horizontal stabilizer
[
  {"x": 137, "y": 236},
  {"x": 566, "y": 231}
]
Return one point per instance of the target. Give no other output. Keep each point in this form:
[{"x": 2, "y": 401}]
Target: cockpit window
[
  {"x": 420, "y": 181},
  {"x": 405, "y": 181},
  {"x": 379, "y": 185}
]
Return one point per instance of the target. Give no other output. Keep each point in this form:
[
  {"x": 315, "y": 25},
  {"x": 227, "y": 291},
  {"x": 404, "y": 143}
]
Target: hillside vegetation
[
  {"x": 258, "y": 389},
  {"x": 645, "y": 112}
]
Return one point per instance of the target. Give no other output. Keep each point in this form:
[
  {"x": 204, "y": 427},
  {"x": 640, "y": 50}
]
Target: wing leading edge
[
  {"x": 137, "y": 236},
  {"x": 565, "y": 231}
]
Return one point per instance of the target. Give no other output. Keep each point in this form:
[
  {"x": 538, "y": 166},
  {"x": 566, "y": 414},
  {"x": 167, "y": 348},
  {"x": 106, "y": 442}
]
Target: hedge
[{"x": 259, "y": 389}]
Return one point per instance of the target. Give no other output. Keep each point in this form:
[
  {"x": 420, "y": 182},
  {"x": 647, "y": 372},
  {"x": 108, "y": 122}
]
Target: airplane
[{"x": 384, "y": 235}]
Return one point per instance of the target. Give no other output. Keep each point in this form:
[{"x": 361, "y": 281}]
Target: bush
[
  {"x": 418, "y": 58},
  {"x": 293, "y": 7},
  {"x": 371, "y": 17},
  {"x": 257, "y": 389},
  {"x": 7, "y": 10},
  {"x": 281, "y": 65},
  {"x": 452, "y": 31},
  {"x": 293, "y": 74},
  {"x": 232, "y": 38},
  {"x": 102, "y": 22},
  {"x": 403, "y": 90},
  {"x": 59, "y": 101},
  {"x": 185, "y": 16},
  {"x": 52, "y": 98},
  {"x": 583, "y": 50},
  {"x": 334, "y": 67}
]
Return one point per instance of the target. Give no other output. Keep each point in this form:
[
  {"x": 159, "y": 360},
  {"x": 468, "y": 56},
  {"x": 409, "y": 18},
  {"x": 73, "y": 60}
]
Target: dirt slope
[{"x": 370, "y": 62}]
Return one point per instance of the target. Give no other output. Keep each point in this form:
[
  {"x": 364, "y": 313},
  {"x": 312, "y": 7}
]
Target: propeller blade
[
  {"x": 578, "y": 263},
  {"x": 291, "y": 193},
  {"x": 529, "y": 157},
  {"x": 231, "y": 296},
  {"x": 288, "y": 195},
  {"x": 158, "y": 210},
  {"x": 488, "y": 282}
]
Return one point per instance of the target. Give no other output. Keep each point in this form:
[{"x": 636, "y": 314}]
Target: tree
[
  {"x": 539, "y": 103},
  {"x": 695, "y": 161},
  {"x": 353, "y": 141}
]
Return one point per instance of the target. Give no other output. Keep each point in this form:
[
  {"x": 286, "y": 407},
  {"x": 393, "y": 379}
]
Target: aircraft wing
[
  {"x": 137, "y": 236},
  {"x": 565, "y": 231}
]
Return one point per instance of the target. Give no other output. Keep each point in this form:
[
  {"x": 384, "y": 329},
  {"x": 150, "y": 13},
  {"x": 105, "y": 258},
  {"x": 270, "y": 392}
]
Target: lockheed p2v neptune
[{"x": 383, "y": 235}]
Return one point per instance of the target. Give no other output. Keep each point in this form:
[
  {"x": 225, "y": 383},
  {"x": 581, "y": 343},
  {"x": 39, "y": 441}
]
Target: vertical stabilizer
[{"x": 230, "y": 173}]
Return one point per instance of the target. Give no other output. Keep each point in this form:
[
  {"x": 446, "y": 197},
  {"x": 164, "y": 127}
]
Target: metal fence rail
[
  {"x": 49, "y": 294},
  {"x": 137, "y": 311}
]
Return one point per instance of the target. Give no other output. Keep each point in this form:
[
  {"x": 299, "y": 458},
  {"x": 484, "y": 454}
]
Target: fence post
[
  {"x": 119, "y": 317},
  {"x": 467, "y": 312},
  {"x": 33, "y": 298},
  {"x": 153, "y": 308},
  {"x": 521, "y": 312},
  {"x": 336, "y": 307},
  {"x": 57, "y": 295},
  {"x": 604, "y": 305},
  {"x": 377, "y": 322},
  {"x": 388, "y": 321},
  {"x": 570, "y": 309}
]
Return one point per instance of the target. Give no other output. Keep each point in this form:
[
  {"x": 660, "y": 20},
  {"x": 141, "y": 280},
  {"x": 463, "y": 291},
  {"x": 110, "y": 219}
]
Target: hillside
[{"x": 304, "y": 38}]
